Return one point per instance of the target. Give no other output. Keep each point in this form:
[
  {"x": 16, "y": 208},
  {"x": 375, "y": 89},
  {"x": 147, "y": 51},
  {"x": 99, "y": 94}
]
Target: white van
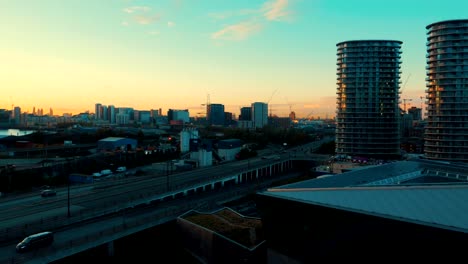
[{"x": 106, "y": 172}]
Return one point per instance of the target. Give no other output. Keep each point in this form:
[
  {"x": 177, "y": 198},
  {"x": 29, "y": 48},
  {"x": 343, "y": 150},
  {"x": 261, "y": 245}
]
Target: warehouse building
[{"x": 116, "y": 143}]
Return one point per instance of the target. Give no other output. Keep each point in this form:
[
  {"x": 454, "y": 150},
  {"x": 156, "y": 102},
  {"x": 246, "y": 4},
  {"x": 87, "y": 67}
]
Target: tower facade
[
  {"x": 215, "y": 114},
  {"x": 367, "y": 115},
  {"x": 259, "y": 114},
  {"x": 98, "y": 111},
  {"x": 446, "y": 134}
]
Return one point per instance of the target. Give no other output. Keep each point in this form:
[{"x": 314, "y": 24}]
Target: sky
[{"x": 182, "y": 54}]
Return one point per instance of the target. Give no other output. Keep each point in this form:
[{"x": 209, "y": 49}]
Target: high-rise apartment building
[
  {"x": 259, "y": 114},
  {"x": 111, "y": 113},
  {"x": 104, "y": 112},
  {"x": 446, "y": 134},
  {"x": 17, "y": 115},
  {"x": 98, "y": 111},
  {"x": 367, "y": 116}
]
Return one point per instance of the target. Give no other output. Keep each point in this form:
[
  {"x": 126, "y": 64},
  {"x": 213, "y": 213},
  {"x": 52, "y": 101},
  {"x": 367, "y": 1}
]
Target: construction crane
[
  {"x": 289, "y": 104},
  {"x": 207, "y": 100},
  {"x": 271, "y": 96},
  {"x": 404, "y": 104},
  {"x": 402, "y": 88},
  {"x": 268, "y": 101},
  {"x": 406, "y": 81},
  {"x": 206, "y": 106}
]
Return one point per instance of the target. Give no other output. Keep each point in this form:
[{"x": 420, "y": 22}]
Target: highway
[{"x": 30, "y": 213}]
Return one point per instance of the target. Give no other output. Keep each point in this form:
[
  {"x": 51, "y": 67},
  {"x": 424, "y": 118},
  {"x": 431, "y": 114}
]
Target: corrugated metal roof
[
  {"x": 441, "y": 206},
  {"x": 361, "y": 176},
  {"x": 109, "y": 139}
]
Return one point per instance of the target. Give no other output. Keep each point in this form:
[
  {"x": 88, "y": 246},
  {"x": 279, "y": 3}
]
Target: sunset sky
[{"x": 70, "y": 54}]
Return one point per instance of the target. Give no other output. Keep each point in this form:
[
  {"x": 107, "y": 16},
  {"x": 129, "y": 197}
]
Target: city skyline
[{"x": 181, "y": 54}]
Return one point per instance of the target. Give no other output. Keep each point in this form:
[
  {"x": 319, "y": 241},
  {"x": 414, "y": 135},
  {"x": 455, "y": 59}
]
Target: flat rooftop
[{"x": 423, "y": 192}]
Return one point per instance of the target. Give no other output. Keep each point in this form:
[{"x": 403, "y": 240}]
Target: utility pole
[{"x": 68, "y": 199}]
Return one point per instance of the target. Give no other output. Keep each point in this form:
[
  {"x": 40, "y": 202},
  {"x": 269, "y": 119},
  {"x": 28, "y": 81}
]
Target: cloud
[
  {"x": 271, "y": 10},
  {"x": 124, "y": 23},
  {"x": 275, "y": 10},
  {"x": 154, "y": 33},
  {"x": 229, "y": 14},
  {"x": 170, "y": 24},
  {"x": 141, "y": 15},
  {"x": 145, "y": 20},
  {"x": 134, "y": 9},
  {"x": 239, "y": 31}
]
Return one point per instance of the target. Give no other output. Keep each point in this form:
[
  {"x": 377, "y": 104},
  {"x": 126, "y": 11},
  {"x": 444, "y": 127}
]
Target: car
[
  {"x": 35, "y": 241},
  {"x": 48, "y": 193},
  {"x": 106, "y": 172},
  {"x": 121, "y": 169}
]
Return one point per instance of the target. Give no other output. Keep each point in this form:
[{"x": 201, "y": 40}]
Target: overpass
[{"x": 102, "y": 212}]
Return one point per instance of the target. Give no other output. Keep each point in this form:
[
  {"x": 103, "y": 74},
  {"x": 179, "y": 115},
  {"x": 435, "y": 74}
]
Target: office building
[
  {"x": 245, "y": 113},
  {"x": 407, "y": 209},
  {"x": 111, "y": 113},
  {"x": 98, "y": 111},
  {"x": 215, "y": 114},
  {"x": 178, "y": 116},
  {"x": 259, "y": 114},
  {"x": 447, "y": 91},
  {"x": 17, "y": 115},
  {"x": 368, "y": 79},
  {"x": 416, "y": 113}
]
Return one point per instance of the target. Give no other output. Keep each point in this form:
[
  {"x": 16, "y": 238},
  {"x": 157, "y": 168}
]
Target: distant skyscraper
[
  {"x": 245, "y": 113},
  {"x": 51, "y": 112},
  {"x": 368, "y": 79},
  {"x": 111, "y": 113},
  {"x": 17, "y": 115},
  {"x": 104, "y": 113},
  {"x": 446, "y": 134},
  {"x": 98, "y": 111},
  {"x": 259, "y": 114},
  {"x": 123, "y": 115},
  {"x": 215, "y": 114},
  {"x": 182, "y": 116},
  {"x": 416, "y": 113}
]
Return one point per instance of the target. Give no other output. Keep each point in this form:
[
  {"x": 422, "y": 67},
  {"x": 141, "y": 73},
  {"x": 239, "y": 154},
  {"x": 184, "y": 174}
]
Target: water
[{"x": 14, "y": 132}]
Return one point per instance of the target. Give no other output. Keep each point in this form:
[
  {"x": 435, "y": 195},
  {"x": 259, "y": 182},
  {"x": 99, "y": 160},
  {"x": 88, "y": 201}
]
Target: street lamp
[
  {"x": 68, "y": 199},
  {"x": 168, "y": 163}
]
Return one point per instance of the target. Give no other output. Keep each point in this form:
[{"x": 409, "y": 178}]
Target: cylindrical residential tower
[
  {"x": 446, "y": 134},
  {"x": 367, "y": 102}
]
